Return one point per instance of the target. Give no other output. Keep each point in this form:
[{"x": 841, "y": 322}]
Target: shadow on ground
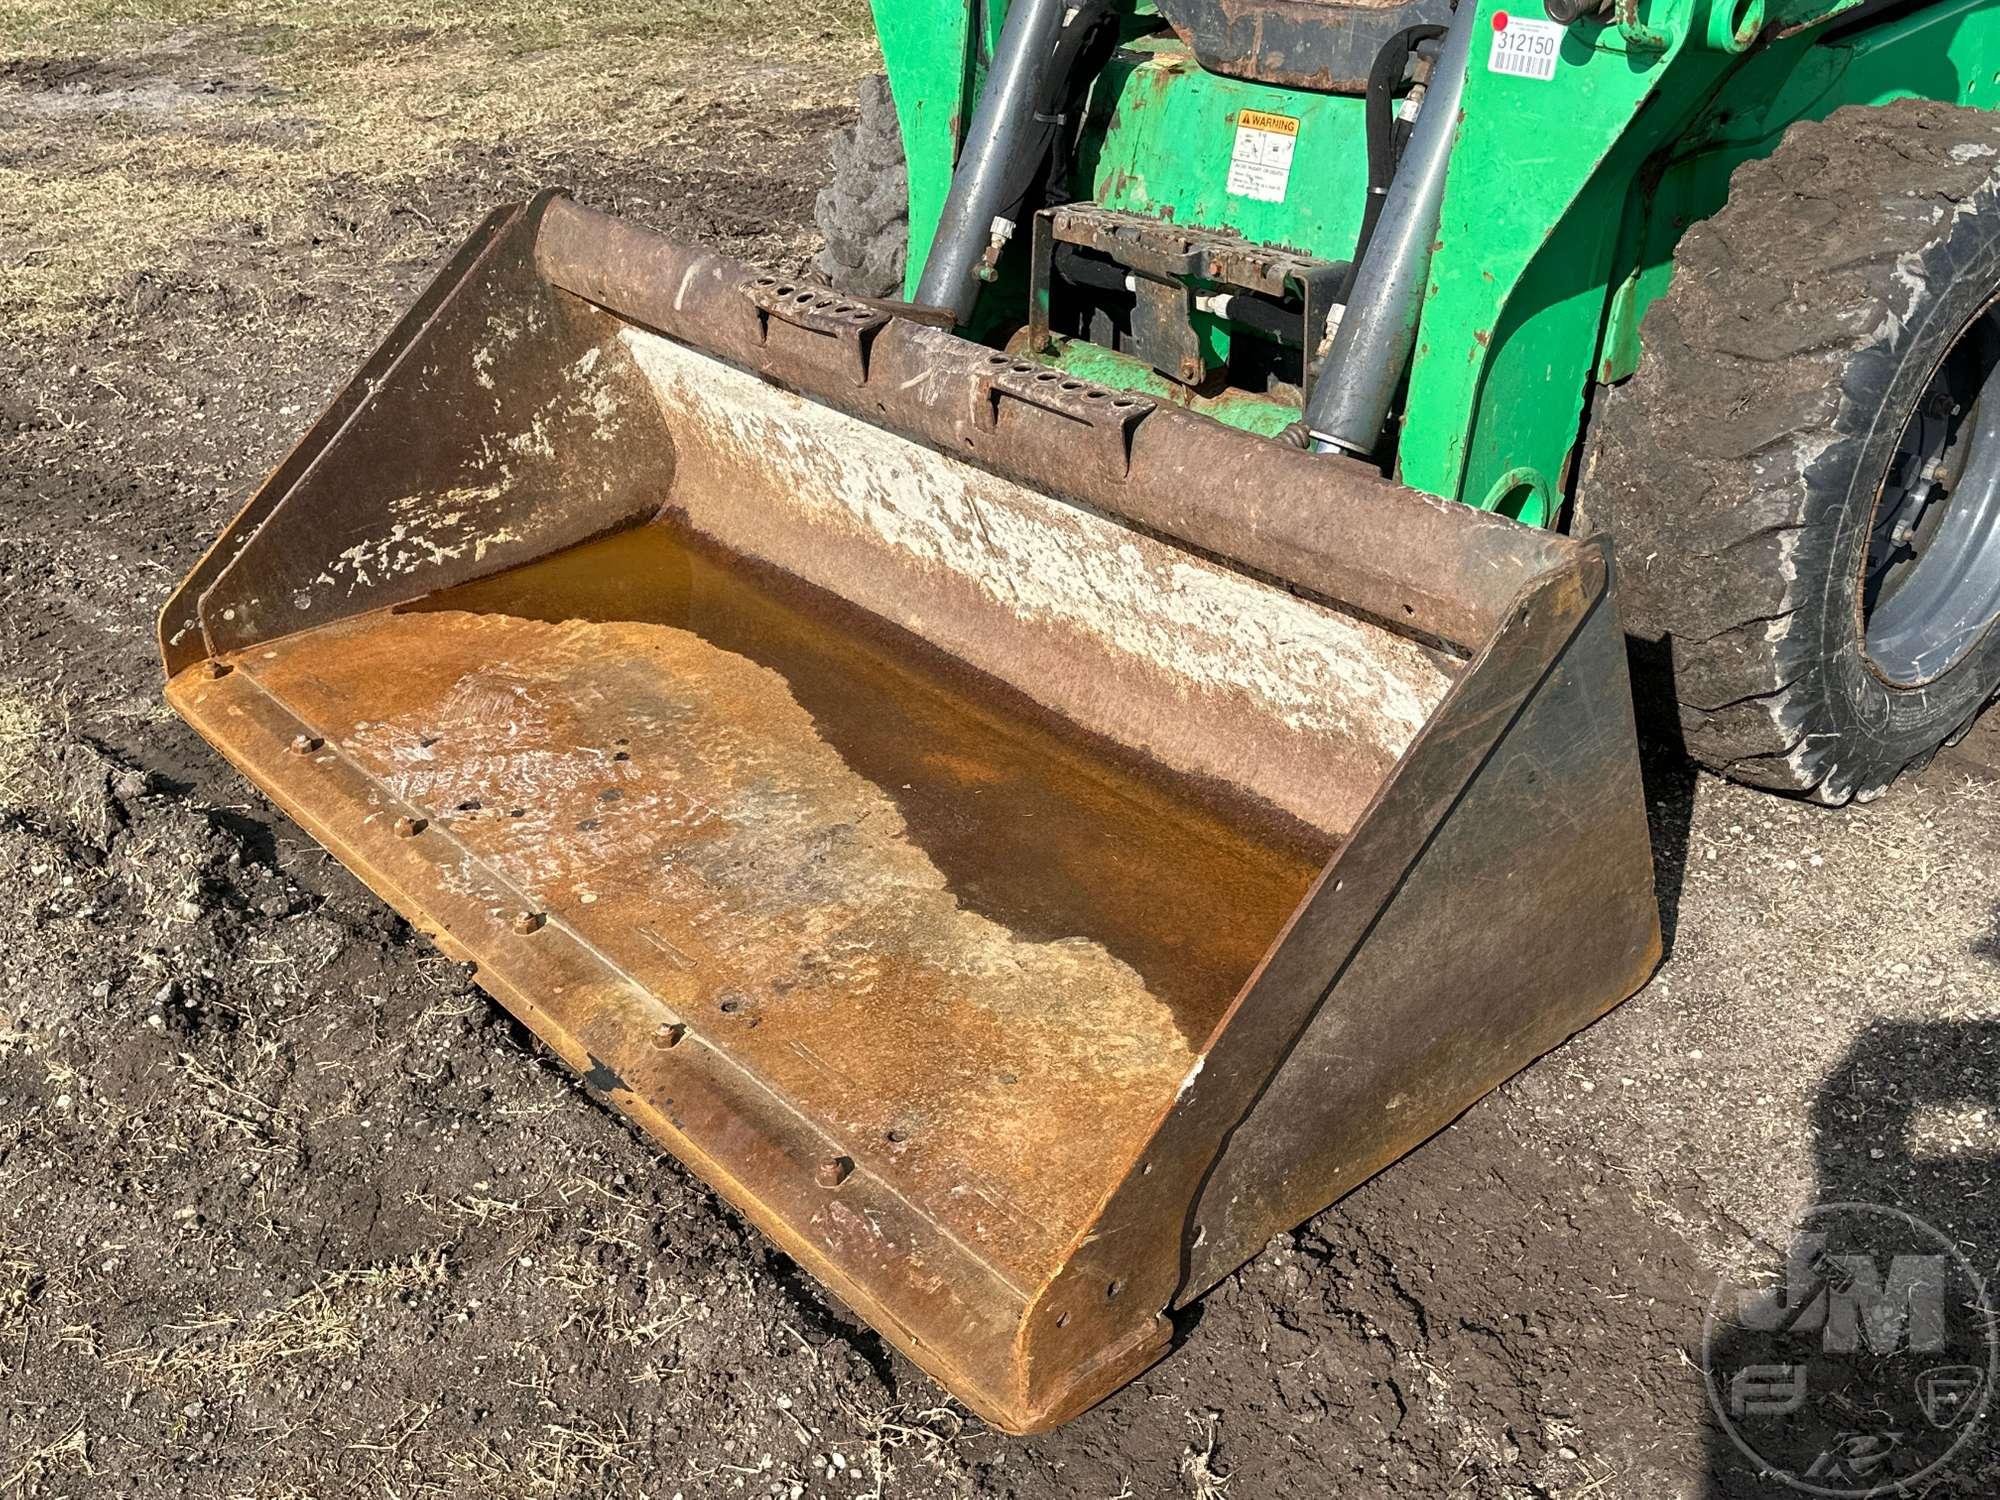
[{"x": 1869, "y": 1363}]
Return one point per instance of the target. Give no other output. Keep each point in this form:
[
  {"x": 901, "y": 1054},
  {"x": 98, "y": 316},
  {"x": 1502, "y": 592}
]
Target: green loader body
[{"x": 1565, "y": 200}]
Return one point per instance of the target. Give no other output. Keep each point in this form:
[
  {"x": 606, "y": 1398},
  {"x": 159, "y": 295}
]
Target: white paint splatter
[
  {"x": 1202, "y": 625},
  {"x": 425, "y": 530}
]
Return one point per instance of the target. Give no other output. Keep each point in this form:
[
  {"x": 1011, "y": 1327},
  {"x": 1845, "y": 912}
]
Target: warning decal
[{"x": 1261, "y": 165}]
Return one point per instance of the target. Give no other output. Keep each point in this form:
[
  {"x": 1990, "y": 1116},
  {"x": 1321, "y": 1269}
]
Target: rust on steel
[
  {"x": 1322, "y": 45},
  {"x": 1156, "y": 248},
  {"x": 1012, "y": 843},
  {"x": 1333, "y": 528}
]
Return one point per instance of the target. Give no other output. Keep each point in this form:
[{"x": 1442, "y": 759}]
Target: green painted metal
[
  {"x": 1564, "y": 201},
  {"x": 1523, "y": 493},
  {"x": 1947, "y": 51},
  {"x": 934, "y": 68},
  {"x": 1160, "y": 136},
  {"x": 1158, "y": 140},
  {"x": 1540, "y": 176},
  {"x": 1088, "y": 361},
  {"x": 1547, "y": 259}
]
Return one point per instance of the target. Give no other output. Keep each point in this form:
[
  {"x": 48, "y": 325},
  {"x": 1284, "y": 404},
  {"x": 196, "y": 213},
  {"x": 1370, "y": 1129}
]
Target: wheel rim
[{"x": 1931, "y": 578}]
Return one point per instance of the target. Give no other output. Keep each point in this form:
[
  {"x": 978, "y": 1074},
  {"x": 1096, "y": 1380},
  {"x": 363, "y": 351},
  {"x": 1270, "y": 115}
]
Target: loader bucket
[{"x": 1023, "y": 845}]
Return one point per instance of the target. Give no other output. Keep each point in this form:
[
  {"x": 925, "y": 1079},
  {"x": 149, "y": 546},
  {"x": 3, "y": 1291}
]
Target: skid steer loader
[{"x": 1034, "y": 785}]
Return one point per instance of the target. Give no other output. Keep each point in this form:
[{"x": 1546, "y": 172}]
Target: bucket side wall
[
  {"x": 1446, "y": 945},
  {"x": 506, "y": 425},
  {"x": 1529, "y": 914}
]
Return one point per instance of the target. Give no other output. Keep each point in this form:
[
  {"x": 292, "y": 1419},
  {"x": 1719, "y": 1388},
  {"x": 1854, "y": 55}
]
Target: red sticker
[{"x": 1499, "y": 20}]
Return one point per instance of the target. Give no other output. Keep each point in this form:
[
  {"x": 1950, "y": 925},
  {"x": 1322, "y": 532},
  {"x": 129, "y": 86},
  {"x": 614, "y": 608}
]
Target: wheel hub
[{"x": 1931, "y": 578}]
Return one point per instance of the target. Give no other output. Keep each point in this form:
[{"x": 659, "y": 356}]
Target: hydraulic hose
[
  {"x": 1004, "y": 128},
  {"x": 1089, "y": 34},
  {"x": 1385, "y": 132},
  {"x": 1371, "y": 350}
]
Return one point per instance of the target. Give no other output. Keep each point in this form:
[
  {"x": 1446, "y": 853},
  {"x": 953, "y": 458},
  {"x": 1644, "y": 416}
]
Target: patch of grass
[
  {"x": 567, "y": 1458},
  {"x": 86, "y": 249},
  {"x": 233, "y": 1108},
  {"x": 608, "y": 1311},
  {"x": 165, "y": 121},
  {"x": 67, "y": 1455},
  {"x": 1198, "y": 1468},
  {"x": 47, "y": 26},
  {"x": 26, "y": 771},
  {"x": 21, "y": 1282}
]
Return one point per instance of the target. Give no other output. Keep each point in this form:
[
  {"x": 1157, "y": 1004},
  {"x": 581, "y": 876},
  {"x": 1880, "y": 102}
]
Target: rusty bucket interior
[{"x": 1023, "y": 845}]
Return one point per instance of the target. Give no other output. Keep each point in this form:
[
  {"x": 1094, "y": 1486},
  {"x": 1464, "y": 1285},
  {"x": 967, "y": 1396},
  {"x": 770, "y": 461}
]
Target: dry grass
[
  {"x": 230, "y": 1106},
  {"x": 325, "y": 1325},
  {"x": 564, "y": 1459},
  {"x": 69, "y": 1454},
  {"x": 25, "y": 770},
  {"x": 20, "y": 1283},
  {"x": 57, "y": 23},
  {"x": 1198, "y": 1467},
  {"x": 900, "y": 1434},
  {"x": 204, "y": 117}
]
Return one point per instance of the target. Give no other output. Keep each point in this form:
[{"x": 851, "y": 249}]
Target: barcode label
[{"x": 1523, "y": 48}]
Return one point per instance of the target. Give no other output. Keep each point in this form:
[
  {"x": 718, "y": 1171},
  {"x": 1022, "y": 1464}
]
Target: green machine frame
[{"x": 1563, "y": 205}]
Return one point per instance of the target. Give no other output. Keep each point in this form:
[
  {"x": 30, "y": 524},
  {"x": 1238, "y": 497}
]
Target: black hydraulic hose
[
  {"x": 1282, "y": 325},
  {"x": 1378, "y": 328},
  {"x": 1385, "y": 133},
  {"x": 1021, "y": 114},
  {"x": 1082, "y": 47},
  {"x": 1098, "y": 275}
]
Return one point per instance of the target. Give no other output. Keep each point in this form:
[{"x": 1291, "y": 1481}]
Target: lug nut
[
  {"x": 528, "y": 921},
  {"x": 214, "y": 669},
  {"x": 305, "y": 744},
  {"x": 834, "y": 1171},
  {"x": 408, "y": 827},
  {"x": 669, "y": 1035}
]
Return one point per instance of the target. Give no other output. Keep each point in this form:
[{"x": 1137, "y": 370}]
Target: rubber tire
[
  {"x": 864, "y": 212},
  {"x": 1737, "y": 471}
]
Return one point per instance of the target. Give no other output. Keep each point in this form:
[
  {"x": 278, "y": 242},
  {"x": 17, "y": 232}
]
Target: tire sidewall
[{"x": 863, "y": 212}]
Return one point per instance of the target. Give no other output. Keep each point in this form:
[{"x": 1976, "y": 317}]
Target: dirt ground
[{"x": 289, "y": 1209}]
